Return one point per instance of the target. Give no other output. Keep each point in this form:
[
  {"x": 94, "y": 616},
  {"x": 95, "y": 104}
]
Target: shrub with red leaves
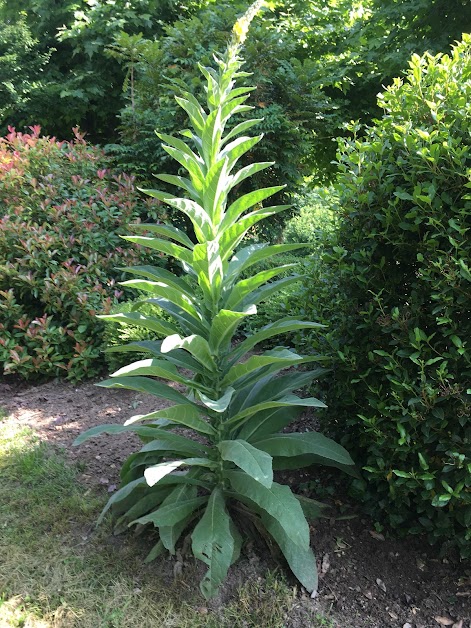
[{"x": 60, "y": 252}]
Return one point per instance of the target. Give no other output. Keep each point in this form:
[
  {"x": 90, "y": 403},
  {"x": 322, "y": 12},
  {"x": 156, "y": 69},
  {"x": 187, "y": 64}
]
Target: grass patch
[{"x": 57, "y": 571}]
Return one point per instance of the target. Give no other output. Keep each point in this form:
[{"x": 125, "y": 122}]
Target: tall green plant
[{"x": 235, "y": 405}]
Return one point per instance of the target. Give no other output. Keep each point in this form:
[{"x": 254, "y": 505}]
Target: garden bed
[{"x": 366, "y": 579}]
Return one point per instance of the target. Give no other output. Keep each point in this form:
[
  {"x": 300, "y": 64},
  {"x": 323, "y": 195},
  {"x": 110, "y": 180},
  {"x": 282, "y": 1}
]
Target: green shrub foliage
[
  {"x": 59, "y": 252},
  {"x": 402, "y": 395},
  {"x": 216, "y": 481}
]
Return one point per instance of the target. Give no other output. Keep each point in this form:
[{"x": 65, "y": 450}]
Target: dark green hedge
[{"x": 400, "y": 309}]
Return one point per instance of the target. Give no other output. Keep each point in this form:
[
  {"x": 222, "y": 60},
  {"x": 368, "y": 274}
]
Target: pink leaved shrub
[{"x": 61, "y": 213}]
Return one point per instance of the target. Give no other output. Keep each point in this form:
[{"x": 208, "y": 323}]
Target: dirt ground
[{"x": 367, "y": 580}]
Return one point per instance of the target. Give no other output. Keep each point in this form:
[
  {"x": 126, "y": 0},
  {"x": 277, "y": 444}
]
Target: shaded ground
[{"x": 366, "y": 580}]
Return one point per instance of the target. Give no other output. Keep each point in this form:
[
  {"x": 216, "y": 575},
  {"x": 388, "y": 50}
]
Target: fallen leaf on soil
[
  {"x": 325, "y": 565},
  {"x": 377, "y": 535},
  {"x": 420, "y": 564},
  {"x": 444, "y": 621},
  {"x": 368, "y": 594},
  {"x": 381, "y": 584}
]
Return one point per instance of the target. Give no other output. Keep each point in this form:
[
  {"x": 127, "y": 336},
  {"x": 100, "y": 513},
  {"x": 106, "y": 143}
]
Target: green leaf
[
  {"x": 250, "y": 255},
  {"x": 200, "y": 219},
  {"x": 153, "y": 367},
  {"x": 301, "y": 560},
  {"x": 172, "y": 513},
  {"x": 197, "y": 346},
  {"x": 169, "y": 535},
  {"x": 121, "y": 494},
  {"x": 297, "y": 444},
  {"x": 248, "y": 171},
  {"x": 195, "y": 112},
  {"x": 282, "y": 326},
  {"x": 136, "y": 319},
  {"x": 254, "y": 462},
  {"x": 213, "y": 543},
  {"x": 169, "y": 442},
  {"x": 184, "y": 184},
  {"x": 157, "y": 472},
  {"x": 241, "y": 128},
  {"x": 244, "y": 288},
  {"x": 278, "y": 501},
  {"x": 167, "y": 231},
  {"x": 287, "y": 400},
  {"x": 312, "y": 509},
  {"x": 149, "y": 502},
  {"x": 164, "y": 246},
  {"x": 178, "y": 357},
  {"x": 112, "y": 428},
  {"x": 207, "y": 264},
  {"x": 183, "y": 414},
  {"x": 244, "y": 202},
  {"x": 161, "y": 274},
  {"x": 238, "y": 147},
  {"x": 232, "y": 235},
  {"x": 281, "y": 358},
  {"x": 216, "y": 190},
  {"x": 218, "y": 405},
  {"x": 146, "y": 385},
  {"x": 224, "y": 325},
  {"x": 267, "y": 422},
  {"x": 174, "y": 295}
]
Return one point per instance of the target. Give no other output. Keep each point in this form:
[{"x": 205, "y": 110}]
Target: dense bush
[
  {"x": 401, "y": 297},
  {"x": 62, "y": 213}
]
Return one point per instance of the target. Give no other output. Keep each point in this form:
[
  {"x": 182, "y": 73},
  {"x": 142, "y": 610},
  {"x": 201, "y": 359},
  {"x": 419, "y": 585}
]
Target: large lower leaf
[
  {"x": 172, "y": 513},
  {"x": 300, "y": 559},
  {"x": 278, "y": 501},
  {"x": 254, "y": 462},
  {"x": 169, "y": 535},
  {"x": 298, "y": 444},
  {"x": 121, "y": 494},
  {"x": 267, "y": 422},
  {"x": 213, "y": 543},
  {"x": 144, "y": 431},
  {"x": 174, "y": 442}
]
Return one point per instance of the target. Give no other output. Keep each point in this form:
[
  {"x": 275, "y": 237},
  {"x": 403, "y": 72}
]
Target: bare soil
[{"x": 367, "y": 580}]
